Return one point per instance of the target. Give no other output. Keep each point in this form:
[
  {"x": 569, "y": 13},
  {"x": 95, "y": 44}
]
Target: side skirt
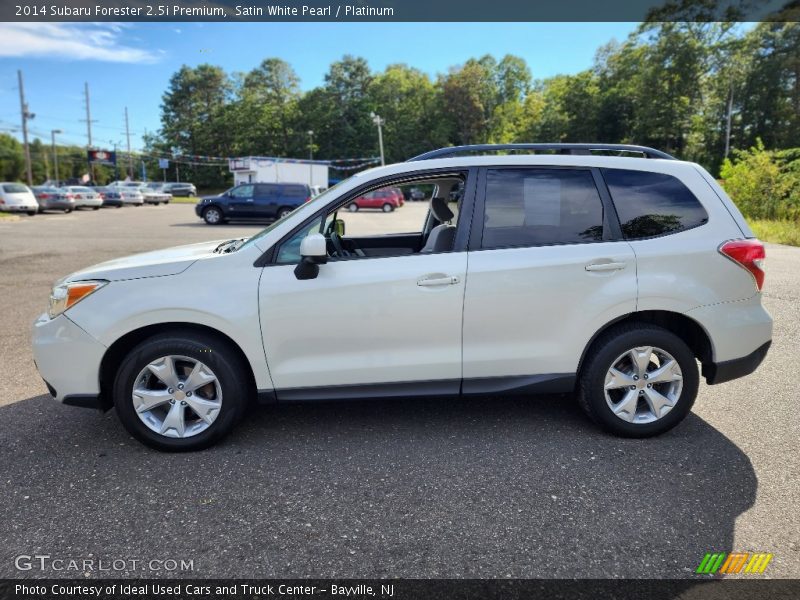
[{"x": 554, "y": 383}]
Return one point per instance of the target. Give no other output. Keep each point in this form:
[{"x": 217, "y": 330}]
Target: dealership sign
[{"x": 103, "y": 157}]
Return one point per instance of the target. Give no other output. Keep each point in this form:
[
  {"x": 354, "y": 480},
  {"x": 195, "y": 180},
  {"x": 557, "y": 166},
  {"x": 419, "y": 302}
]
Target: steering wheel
[{"x": 338, "y": 247}]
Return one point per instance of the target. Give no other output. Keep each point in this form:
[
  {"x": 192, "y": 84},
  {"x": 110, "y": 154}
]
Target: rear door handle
[
  {"x": 606, "y": 266},
  {"x": 434, "y": 281}
]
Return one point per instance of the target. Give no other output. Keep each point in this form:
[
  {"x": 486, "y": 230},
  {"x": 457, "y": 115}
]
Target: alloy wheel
[
  {"x": 643, "y": 384},
  {"x": 177, "y": 396}
]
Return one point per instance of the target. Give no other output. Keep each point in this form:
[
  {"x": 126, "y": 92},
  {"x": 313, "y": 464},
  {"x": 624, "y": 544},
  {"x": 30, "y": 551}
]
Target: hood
[{"x": 157, "y": 263}]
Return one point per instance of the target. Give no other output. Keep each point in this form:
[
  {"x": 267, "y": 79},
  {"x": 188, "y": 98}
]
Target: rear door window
[
  {"x": 536, "y": 207},
  {"x": 652, "y": 204}
]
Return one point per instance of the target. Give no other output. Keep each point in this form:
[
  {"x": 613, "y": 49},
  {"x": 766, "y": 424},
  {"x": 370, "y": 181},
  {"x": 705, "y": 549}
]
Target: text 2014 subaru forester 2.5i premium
[{"x": 559, "y": 268}]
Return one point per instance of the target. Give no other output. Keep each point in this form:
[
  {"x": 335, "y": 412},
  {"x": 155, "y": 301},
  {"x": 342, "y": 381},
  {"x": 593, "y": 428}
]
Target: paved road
[{"x": 490, "y": 487}]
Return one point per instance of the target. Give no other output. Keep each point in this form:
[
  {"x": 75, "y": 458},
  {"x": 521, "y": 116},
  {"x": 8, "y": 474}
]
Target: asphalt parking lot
[{"x": 493, "y": 487}]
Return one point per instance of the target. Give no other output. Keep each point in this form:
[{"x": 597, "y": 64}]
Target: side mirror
[
  {"x": 314, "y": 246},
  {"x": 314, "y": 250}
]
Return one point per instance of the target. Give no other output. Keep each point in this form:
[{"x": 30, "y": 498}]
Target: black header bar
[{"x": 399, "y": 10}]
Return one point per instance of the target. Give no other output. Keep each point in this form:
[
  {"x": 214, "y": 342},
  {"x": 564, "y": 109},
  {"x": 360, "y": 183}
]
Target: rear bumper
[
  {"x": 733, "y": 369},
  {"x": 19, "y": 207}
]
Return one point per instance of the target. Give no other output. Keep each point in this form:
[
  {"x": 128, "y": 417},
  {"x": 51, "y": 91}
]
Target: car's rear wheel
[
  {"x": 179, "y": 392},
  {"x": 212, "y": 215},
  {"x": 95, "y": 208},
  {"x": 388, "y": 207},
  {"x": 32, "y": 213},
  {"x": 284, "y": 211},
  {"x": 640, "y": 380},
  {"x": 352, "y": 207}
]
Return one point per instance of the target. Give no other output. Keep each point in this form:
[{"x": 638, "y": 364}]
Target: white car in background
[
  {"x": 569, "y": 271},
  {"x": 117, "y": 195},
  {"x": 85, "y": 197},
  {"x": 150, "y": 193},
  {"x": 17, "y": 197}
]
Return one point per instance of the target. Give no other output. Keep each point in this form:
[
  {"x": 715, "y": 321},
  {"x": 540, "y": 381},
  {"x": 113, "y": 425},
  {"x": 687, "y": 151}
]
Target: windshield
[{"x": 321, "y": 198}]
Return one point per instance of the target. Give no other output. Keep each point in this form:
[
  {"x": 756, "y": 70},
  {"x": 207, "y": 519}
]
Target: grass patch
[
  {"x": 777, "y": 232},
  {"x": 8, "y": 216},
  {"x": 184, "y": 200}
]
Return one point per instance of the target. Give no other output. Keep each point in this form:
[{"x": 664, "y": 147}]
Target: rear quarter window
[
  {"x": 295, "y": 191},
  {"x": 652, "y": 204}
]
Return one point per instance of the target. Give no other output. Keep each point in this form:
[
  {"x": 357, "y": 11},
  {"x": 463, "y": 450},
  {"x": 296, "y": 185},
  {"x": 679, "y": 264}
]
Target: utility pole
[
  {"x": 53, "y": 133},
  {"x": 128, "y": 135},
  {"x": 25, "y": 116},
  {"x": 88, "y": 128},
  {"x": 310, "y": 157},
  {"x": 379, "y": 122},
  {"x": 729, "y": 119}
]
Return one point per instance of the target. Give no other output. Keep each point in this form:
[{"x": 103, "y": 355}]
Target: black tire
[
  {"x": 210, "y": 218},
  {"x": 613, "y": 343},
  {"x": 387, "y": 208},
  {"x": 283, "y": 211},
  {"x": 95, "y": 208},
  {"x": 217, "y": 355},
  {"x": 67, "y": 211},
  {"x": 352, "y": 207},
  {"x": 32, "y": 213}
]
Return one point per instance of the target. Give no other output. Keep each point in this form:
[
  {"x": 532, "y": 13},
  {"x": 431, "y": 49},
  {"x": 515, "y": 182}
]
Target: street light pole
[
  {"x": 53, "y": 133},
  {"x": 310, "y": 157},
  {"x": 379, "y": 122}
]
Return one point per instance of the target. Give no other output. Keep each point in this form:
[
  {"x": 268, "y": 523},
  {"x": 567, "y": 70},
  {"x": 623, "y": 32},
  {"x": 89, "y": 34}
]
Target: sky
[{"x": 129, "y": 64}]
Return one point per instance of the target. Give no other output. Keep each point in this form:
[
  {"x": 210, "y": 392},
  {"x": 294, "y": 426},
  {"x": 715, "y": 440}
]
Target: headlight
[{"x": 68, "y": 294}]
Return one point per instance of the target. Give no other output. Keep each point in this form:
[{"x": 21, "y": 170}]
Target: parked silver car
[{"x": 53, "y": 198}]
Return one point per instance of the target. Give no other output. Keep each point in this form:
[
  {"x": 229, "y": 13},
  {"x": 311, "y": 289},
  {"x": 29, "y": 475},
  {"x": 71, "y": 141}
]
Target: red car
[{"x": 386, "y": 199}]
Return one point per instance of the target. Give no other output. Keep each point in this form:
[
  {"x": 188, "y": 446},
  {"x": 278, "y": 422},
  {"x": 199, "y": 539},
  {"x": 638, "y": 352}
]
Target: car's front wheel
[
  {"x": 640, "y": 380},
  {"x": 388, "y": 207},
  {"x": 212, "y": 215},
  {"x": 179, "y": 392},
  {"x": 352, "y": 207}
]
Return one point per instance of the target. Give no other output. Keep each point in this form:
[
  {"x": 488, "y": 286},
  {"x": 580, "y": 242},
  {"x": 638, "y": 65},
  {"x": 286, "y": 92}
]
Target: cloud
[{"x": 76, "y": 41}]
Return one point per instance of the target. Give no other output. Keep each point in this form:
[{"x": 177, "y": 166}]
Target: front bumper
[{"x": 68, "y": 359}]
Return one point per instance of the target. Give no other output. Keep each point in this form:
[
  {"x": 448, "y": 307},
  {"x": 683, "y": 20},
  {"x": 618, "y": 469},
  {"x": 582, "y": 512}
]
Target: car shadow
[{"x": 478, "y": 488}]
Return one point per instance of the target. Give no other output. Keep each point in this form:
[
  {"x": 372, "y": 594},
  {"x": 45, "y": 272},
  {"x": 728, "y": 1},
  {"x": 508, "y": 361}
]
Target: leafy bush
[{"x": 763, "y": 183}]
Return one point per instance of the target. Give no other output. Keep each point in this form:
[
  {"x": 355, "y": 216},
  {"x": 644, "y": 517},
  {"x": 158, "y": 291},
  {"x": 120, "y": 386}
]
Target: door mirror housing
[
  {"x": 314, "y": 246},
  {"x": 314, "y": 252}
]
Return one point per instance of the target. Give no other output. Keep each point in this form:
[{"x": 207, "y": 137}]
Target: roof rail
[{"x": 561, "y": 148}]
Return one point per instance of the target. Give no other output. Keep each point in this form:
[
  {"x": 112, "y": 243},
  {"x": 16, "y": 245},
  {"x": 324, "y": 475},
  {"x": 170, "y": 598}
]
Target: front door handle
[
  {"x": 606, "y": 266},
  {"x": 434, "y": 281}
]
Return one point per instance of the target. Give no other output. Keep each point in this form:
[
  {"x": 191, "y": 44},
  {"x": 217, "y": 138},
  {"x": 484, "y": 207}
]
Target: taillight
[
  {"x": 44, "y": 196},
  {"x": 308, "y": 199},
  {"x": 749, "y": 254}
]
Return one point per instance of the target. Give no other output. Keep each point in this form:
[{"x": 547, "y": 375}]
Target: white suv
[{"x": 569, "y": 268}]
